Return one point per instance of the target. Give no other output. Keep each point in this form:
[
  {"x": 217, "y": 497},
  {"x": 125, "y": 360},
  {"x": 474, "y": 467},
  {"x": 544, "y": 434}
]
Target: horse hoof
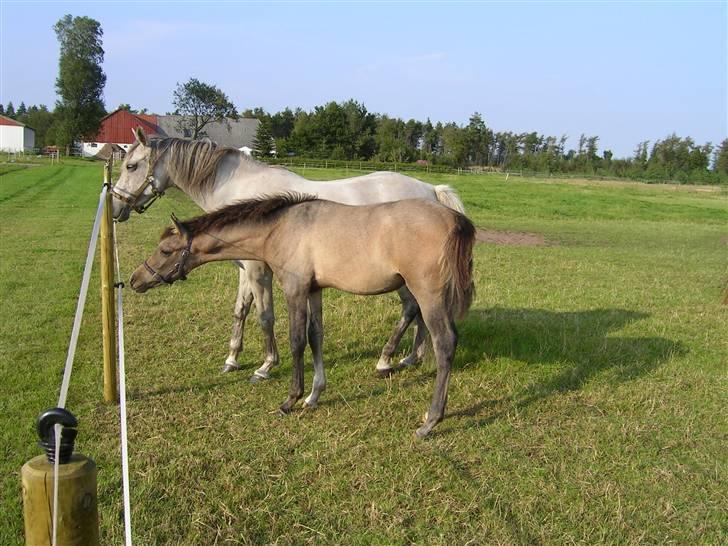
[
  {"x": 408, "y": 361},
  {"x": 310, "y": 405},
  {"x": 257, "y": 378},
  {"x": 385, "y": 373},
  {"x": 231, "y": 367},
  {"x": 285, "y": 409},
  {"x": 423, "y": 431}
]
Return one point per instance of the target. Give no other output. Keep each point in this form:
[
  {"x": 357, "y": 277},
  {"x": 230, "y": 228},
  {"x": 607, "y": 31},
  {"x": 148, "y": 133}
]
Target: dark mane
[{"x": 251, "y": 210}]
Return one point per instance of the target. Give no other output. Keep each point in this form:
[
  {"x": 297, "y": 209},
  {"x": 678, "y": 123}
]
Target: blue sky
[{"x": 626, "y": 71}]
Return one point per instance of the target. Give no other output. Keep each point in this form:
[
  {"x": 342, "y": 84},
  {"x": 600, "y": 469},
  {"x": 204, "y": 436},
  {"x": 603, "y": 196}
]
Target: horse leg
[
  {"x": 444, "y": 340},
  {"x": 242, "y": 307},
  {"x": 315, "y": 341},
  {"x": 297, "y": 331},
  {"x": 260, "y": 279},
  {"x": 410, "y": 309},
  {"x": 418, "y": 347}
]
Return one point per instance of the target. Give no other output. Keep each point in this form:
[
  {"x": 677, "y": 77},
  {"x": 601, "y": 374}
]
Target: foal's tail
[
  {"x": 449, "y": 197},
  {"x": 456, "y": 266}
]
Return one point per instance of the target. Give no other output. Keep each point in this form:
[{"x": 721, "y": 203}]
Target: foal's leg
[
  {"x": 297, "y": 331},
  {"x": 440, "y": 322},
  {"x": 315, "y": 341},
  {"x": 418, "y": 347},
  {"x": 242, "y": 307},
  {"x": 260, "y": 279},
  {"x": 410, "y": 310}
]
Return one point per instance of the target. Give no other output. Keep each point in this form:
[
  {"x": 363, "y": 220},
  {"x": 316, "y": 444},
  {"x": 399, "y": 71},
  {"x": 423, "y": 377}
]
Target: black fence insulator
[{"x": 46, "y": 422}]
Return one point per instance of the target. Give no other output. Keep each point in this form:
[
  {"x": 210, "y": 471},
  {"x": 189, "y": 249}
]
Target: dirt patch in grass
[{"x": 515, "y": 238}]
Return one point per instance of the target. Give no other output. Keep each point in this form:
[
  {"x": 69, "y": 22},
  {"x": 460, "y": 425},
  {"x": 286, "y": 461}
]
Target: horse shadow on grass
[{"x": 570, "y": 348}]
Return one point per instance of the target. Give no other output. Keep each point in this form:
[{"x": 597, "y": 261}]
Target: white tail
[{"x": 449, "y": 197}]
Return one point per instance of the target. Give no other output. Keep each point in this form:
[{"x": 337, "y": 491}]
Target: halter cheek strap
[
  {"x": 179, "y": 267},
  {"x": 131, "y": 198}
]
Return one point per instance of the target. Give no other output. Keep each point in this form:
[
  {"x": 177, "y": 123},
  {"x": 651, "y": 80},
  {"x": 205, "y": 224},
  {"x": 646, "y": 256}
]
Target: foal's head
[{"x": 171, "y": 261}]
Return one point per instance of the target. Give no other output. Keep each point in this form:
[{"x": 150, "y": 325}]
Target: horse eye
[
  {"x": 131, "y": 166},
  {"x": 166, "y": 252}
]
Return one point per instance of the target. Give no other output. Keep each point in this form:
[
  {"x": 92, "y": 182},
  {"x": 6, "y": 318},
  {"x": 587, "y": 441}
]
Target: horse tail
[
  {"x": 456, "y": 266},
  {"x": 449, "y": 197}
]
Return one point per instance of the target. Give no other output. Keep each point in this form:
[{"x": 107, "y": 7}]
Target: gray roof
[{"x": 233, "y": 133}]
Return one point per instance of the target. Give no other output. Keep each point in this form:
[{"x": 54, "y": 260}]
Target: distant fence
[{"x": 371, "y": 166}]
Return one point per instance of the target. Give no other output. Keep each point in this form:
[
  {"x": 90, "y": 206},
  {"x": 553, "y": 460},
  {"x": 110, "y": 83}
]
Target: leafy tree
[
  {"x": 281, "y": 123},
  {"x": 81, "y": 80},
  {"x": 263, "y": 144},
  {"x": 41, "y": 120},
  {"x": 127, "y": 107},
  {"x": 21, "y": 111},
  {"x": 2, "y": 110},
  {"x": 10, "y": 110},
  {"x": 199, "y": 104},
  {"x": 455, "y": 145},
  {"x": 391, "y": 140},
  {"x": 720, "y": 164}
]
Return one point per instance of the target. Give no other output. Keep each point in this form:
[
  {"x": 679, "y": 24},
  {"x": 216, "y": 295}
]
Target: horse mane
[
  {"x": 260, "y": 209},
  {"x": 192, "y": 164}
]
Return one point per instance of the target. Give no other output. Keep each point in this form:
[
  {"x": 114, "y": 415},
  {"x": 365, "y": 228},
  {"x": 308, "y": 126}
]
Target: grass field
[{"x": 587, "y": 402}]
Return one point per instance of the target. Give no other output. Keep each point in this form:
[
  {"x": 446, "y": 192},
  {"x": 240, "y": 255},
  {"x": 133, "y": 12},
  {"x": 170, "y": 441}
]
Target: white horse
[{"x": 215, "y": 177}]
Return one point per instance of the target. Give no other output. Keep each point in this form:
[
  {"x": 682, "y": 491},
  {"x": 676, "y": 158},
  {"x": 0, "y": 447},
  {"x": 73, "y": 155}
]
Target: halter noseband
[
  {"x": 178, "y": 267},
  {"x": 131, "y": 198}
]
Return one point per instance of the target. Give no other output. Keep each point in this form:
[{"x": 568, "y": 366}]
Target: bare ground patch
[{"x": 515, "y": 238}]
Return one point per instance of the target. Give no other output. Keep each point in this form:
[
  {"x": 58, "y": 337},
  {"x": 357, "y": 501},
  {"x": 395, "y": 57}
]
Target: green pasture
[{"x": 587, "y": 402}]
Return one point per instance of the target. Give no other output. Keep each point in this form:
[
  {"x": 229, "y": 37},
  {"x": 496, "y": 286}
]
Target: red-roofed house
[
  {"x": 15, "y": 137},
  {"x": 116, "y": 128}
]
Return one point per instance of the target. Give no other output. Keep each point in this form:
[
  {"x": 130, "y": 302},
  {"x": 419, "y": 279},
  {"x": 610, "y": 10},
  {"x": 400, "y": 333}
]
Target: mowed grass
[{"x": 587, "y": 402}]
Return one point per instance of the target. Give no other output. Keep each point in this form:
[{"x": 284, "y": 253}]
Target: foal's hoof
[
  {"x": 409, "y": 361},
  {"x": 384, "y": 373},
  {"x": 231, "y": 367},
  {"x": 423, "y": 431},
  {"x": 286, "y": 408}
]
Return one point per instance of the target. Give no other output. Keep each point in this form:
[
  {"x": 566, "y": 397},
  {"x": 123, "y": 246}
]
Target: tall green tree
[
  {"x": 10, "y": 110},
  {"x": 263, "y": 144},
  {"x": 199, "y": 104},
  {"x": 720, "y": 164},
  {"x": 81, "y": 80}
]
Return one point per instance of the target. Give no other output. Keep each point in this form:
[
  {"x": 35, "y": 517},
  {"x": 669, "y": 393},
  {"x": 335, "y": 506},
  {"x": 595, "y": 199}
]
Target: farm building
[
  {"x": 15, "y": 137},
  {"x": 116, "y": 129}
]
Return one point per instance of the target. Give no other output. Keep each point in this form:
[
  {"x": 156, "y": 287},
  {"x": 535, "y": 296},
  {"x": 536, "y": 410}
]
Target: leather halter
[
  {"x": 131, "y": 198},
  {"x": 179, "y": 267}
]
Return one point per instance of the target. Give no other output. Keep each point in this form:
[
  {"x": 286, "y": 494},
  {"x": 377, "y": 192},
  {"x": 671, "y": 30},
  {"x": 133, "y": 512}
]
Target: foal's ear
[
  {"x": 140, "y": 135},
  {"x": 180, "y": 226}
]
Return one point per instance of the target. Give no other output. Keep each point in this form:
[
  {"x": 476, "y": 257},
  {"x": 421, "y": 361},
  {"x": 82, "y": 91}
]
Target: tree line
[{"x": 348, "y": 131}]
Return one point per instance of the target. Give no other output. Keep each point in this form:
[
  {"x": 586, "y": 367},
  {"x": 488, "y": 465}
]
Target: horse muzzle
[{"x": 120, "y": 211}]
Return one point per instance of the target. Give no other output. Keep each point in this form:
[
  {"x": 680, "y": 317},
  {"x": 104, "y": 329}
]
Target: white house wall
[{"x": 11, "y": 138}]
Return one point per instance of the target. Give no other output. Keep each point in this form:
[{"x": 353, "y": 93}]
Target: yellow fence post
[{"x": 108, "y": 312}]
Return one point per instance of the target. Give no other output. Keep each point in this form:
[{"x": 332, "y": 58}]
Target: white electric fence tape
[
  {"x": 122, "y": 401},
  {"x": 72, "y": 348}
]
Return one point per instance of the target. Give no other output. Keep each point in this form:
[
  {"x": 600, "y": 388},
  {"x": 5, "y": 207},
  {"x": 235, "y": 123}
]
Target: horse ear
[
  {"x": 140, "y": 135},
  {"x": 180, "y": 226}
]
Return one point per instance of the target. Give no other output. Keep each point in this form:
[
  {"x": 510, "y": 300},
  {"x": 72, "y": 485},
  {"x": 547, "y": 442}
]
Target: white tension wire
[
  {"x": 72, "y": 349},
  {"x": 122, "y": 400}
]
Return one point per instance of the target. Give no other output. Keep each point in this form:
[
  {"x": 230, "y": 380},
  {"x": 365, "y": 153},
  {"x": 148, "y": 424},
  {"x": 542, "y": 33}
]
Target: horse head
[
  {"x": 142, "y": 178},
  {"x": 169, "y": 262}
]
